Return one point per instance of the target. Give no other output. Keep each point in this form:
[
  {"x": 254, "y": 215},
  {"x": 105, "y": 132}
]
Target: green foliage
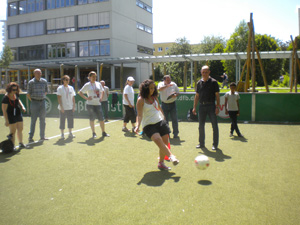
[
  {"x": 208, "y": 44},
  {"x": 6, "y": 57},
  {"x": 237, "y": 43},
  {"x": 216, "y": 66},
  {"x": 286, "y": 81},
  {"x": 275, "y": 83}
]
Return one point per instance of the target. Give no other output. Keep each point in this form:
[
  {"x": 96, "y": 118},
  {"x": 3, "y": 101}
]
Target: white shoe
[{"x": 174, "y": 160}]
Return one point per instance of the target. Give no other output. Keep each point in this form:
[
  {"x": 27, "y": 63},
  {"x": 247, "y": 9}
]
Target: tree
[
  {"x": 176, "y": 70},
  {"x": 6, "y": 57},
  {"x": 286, "y": 63},
  {"x": 272, "y": 67},
  {"x": 208, "y": 44},
  {"x": 216, "y": 66},
  {"x": 236, "y": 43}
]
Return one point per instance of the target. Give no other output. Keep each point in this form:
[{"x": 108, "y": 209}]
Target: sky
[{"x": 195, "y": 19}]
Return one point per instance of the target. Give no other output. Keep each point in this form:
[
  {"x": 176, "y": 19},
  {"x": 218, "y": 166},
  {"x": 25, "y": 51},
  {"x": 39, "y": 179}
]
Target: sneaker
[
  {"x": 21, "y": 145},
  {"x": 62, "y": 137},
  {"x": 240, "y": 135},
  {"x": 162, "y": 166},
  {"x": 124, "y": 129},
  {"x": 214, "y": 148},
  {"x": 71, "y": 135},
  {"x": 104, "y": 134},
  {"x": 174, "y": 160},
  {"x": 200, "y": 146},
  {"x": 133, "y": 130},
  {"x": 176, "y": 136},
  {"x": 231, "y": 135},
  {"x": 15, "y": 149},
  {"x": 106, "y": 120},
  {"x": 30, "y": 140},
  {"x": 44, "y": 139},
  {"x": 94, "y": 135}
]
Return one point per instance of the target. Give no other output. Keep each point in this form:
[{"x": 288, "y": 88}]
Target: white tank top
[{"x": 151, "y": 115}]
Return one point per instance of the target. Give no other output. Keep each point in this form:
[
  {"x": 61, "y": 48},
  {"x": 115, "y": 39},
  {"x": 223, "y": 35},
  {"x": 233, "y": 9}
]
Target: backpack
[
  {"x": 191, "y": 117},
  {"x": 7, "y": 146}
]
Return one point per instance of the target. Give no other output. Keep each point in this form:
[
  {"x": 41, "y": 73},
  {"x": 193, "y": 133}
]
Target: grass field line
[{"x": 73, "y": 131}]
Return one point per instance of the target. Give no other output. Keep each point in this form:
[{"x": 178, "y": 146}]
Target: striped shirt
[{"x": 37, "y": 89}]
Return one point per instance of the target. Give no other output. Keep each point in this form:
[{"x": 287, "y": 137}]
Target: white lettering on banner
[
  {"x": 80, "y": 106},
  {"x": 186, "y": 98}
]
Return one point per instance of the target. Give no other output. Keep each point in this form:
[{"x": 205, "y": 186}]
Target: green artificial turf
[{"x": 115, "y": 180}]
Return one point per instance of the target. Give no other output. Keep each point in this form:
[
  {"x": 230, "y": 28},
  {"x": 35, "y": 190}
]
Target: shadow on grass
[
  {"x": 130, "y": 134},
  {"x": 92, "y": 141},
  {"x": 218, "y": 155},
  {"x": 62, "y": 142},
  {"x": 241, "y": 139},
  {"x": 5, "y": 157},
  {"x": 34, "y": 144},
  {"x": 157, "y": 178},
  {"x": 205, "y": 182},
  {"x": 176, "y": 141}
]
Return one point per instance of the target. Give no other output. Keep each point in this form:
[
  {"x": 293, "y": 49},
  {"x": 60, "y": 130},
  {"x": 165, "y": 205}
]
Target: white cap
[{"x": 130, "y": 79}]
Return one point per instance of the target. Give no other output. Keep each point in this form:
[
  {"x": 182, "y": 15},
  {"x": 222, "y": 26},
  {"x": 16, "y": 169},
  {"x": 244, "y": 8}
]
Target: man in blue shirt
[{"x": 36, "y": 93}]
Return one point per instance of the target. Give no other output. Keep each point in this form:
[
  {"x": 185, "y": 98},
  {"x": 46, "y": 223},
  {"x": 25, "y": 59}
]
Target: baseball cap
[{"x": 130, "y": 79}]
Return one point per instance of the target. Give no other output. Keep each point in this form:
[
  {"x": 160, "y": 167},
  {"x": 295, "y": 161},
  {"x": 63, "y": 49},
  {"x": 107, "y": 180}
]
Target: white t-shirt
[
  {"x": 105, "y": 94},
  {"x": 151, "y": 114},
  {"x": 167, "y": 92},
  {"x": 231, "y": 101},
  {"x": 67, "y": 94},
  {"x": 94, "y": 90},
  {"x": 130, "y": 94}
]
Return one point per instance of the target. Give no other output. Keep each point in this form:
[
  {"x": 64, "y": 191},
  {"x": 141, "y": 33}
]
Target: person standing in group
[
  {"x": 66, "y": 105},
  {"x": 104, "y": 102},
  {"x": 11, "y": 108},
  {"x": 150, "y": 116},
  {"x": 94, "y": 91},
  {"x": 207, "y": 92},
  {"x": 168, "y": 95},
  {"x": 232, "y": 108},
  {"x": 36, "y": 92},
  {"x": 128, "y": 103},
  {"x": 225, "y": 80}
]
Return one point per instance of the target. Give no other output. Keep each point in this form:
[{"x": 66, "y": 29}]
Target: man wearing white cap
[{"x": 128, "y": 103}]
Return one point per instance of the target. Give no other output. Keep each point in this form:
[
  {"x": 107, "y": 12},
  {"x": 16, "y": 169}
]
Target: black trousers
[
  {"x": 234, "y": 126},
  {"x": 68, "y": 114}
]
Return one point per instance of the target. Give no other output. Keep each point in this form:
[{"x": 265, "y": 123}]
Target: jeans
[
  {"x": 209, "y": 110},
  {"x": 104, "y": 106},
  {"x": 68, "y": 114},
  {"x": 37, "y": 109},
  {"x": 234, "y": 126},
  {"x": 170, "y": 108}
]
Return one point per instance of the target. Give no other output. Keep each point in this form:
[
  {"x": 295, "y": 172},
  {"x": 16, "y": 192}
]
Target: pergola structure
[{"x": 98, "y": 61}]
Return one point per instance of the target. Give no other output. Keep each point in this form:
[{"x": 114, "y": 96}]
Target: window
[
  {"x": 94, "y": 48},
  {"x": 32, "y": 53},
  {"x": 22, "y": 7},
  {"x": 30, "y": 6},
  {"x": 61, "y": 25},
  {"x": 70, "y": 49},
  {"x": 39, "y": 5},
  {"x": 82, "y": 2},
  {"x": 12, "y": 31},
  {"x": 60, "y": 3},
  {"x": 50, "y": 4},
  {"x": 61, "y": 50},
  {"x": 143, "y": 27},
  {"x": 31, "y": 29},
  {"x": 93, "y": 21},
  {"x": 69, "y": 3},
  {"x": 145, "y": 50},
  {"x": 144, "y": 6},
  {"x": 12, "y": 9},
  {"x": 159, "y": 49}
]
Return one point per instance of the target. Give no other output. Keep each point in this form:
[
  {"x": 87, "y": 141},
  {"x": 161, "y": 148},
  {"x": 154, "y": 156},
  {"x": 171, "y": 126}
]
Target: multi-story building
[
  {"x": 47, "y": 33},
  {"x": 161, "y": 49}
]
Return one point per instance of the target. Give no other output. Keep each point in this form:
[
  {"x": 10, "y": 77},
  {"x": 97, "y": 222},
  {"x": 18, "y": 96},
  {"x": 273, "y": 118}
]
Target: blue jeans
[
  {"x": 170, "y": 108},
  {"x": 104, "y": 106},
  {"x": 37, "y": 109},
  {"x": 209, "y": 110}
]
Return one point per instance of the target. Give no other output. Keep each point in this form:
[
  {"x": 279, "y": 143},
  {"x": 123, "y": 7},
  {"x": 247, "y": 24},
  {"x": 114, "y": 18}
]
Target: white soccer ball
[{"x": 202, "y": 162}]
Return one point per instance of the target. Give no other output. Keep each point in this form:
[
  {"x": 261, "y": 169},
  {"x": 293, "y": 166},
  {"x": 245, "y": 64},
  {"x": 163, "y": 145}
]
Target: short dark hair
[
  {"x": 144, "y": 89},
  {"x": 232, "y": 84}
]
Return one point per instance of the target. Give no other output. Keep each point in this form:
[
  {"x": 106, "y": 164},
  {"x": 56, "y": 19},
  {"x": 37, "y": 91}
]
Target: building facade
[{"x": 84, "y": 33}]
